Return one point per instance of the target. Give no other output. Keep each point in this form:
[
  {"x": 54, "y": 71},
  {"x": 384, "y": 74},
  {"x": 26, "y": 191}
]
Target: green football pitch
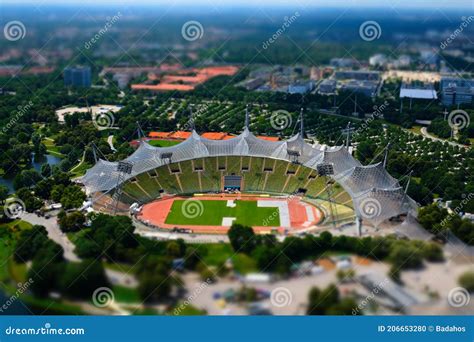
[{"x": 211, "y": 213}]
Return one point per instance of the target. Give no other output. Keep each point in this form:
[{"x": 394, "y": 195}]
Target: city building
[
  {"x": 456, "y": 90},
  {"x": 77, "y": 76},
  {"x": 327, "y": 87},
  {"x": 301, "y": 87},
  {"x": 343, "y": 62},
  {"x": 367, "y": 88},
  {"x": 418, "y": 91},
  {"x": 361, "y": 75},
  {"x": 378, "y": 60}
]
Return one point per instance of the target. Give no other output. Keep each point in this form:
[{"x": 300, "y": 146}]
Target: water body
[
  {"x": 15, "y": 308},
  {"x": 50, "y": 159}
]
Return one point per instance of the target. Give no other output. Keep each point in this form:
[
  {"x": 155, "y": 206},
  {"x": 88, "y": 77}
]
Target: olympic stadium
[{"x": 203, "y": 186}]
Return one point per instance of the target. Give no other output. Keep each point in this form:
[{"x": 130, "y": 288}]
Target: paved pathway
[
  {"x": 54, "y": 233},
  {"x": 424, "y": 132},
  {"x": 110, "y": 141}
]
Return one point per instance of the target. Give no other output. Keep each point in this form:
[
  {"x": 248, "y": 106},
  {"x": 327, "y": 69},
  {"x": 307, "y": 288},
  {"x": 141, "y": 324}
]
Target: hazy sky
[{"x": 454, "y": 4}]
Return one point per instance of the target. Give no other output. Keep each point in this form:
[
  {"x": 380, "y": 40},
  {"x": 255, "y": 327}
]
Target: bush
[{"x": 467, "y": 281}]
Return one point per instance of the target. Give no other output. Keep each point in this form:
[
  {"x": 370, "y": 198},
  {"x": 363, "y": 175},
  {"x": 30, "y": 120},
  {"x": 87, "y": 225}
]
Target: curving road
[{"x": 54, "y": 233}]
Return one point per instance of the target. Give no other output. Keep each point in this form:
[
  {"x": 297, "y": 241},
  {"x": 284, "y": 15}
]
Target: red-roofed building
[
  {"x": 214, "y": 135},
  {"x": 159, "y": 135},
  {"x": 180, "y": 135},
  {"x": 162, "y": 87},
  {"x": 268, "y": 138}
]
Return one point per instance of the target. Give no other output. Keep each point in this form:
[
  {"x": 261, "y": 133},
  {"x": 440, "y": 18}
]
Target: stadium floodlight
[
  {"x": 124, "y": 167},
  {"x": 166, "y": 155},
  {"x": 294, "y": 155},
  {"x": 325, "y": 169}
]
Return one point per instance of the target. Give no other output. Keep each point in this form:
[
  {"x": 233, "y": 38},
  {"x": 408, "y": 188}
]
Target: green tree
[
  {"x": 72, "y": 222},
  {"x": 3, "y": 193},
  {"x": 242, "y": 238},
  {"x": 466, "y": 280}
]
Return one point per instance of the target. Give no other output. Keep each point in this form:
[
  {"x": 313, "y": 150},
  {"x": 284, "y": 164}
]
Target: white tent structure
[{"x": 376, "y": 195}]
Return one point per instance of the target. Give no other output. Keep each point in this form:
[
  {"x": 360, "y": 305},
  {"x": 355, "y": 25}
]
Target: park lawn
[
  {"x": 6, "y": 250},
  {"x": 124, "y": 294},
  {"x": 415, "y": 129},
  {"x": 187, "y": 310},
  {"x": 218, "y": 253},
  {"x": 52, "y": 148},
  {"x": 212, "y": 212},
  {"x": 163, "y": 143},
  {"x": 80, "y": 169},
  {"x": 244, "y": 264},
  {"x": 9, "y": 269},
  {"x": 121, "y": 267}
]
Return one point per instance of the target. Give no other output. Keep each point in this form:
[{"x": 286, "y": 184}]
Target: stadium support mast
[
  {"x": 140, "y": 132},
  {"x": 348, "y": 131},
  {"x": 191, "y": 118},
  {"x": 247, "y": 117},
  {"x": 404, "y": 199},
  {"x": 123, "y": 169},
  {"x": 385, "y": 158},
  {"x": 327, "y": 170},
  {"x": 355, "y": 106},
  {"x": 94, "y": 152},
  {"x": 301, "y": 123}
]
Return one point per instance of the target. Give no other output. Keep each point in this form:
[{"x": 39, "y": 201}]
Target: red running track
[{"x": 155, "y": 213}]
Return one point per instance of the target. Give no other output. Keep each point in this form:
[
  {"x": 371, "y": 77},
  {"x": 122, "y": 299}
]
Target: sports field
[{"x": 213, "y": 212}]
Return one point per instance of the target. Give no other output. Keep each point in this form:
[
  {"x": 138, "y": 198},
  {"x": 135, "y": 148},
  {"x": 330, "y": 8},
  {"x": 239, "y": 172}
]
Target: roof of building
[
  {"x": 417, "y": 93},
  {"x": 163, "y": 87},
  {"x": 180, "y": 135},
  {"x": 159, "y": 134},
  {"x": 214, "y": 135},
  {"x": 263, "y": 137}
]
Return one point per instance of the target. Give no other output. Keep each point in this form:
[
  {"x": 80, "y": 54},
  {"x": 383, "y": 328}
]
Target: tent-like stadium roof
[{"x": 375, "y": 194}]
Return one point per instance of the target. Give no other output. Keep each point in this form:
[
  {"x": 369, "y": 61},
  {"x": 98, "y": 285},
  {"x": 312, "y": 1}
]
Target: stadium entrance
[{"x": 232, "y": 182}]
